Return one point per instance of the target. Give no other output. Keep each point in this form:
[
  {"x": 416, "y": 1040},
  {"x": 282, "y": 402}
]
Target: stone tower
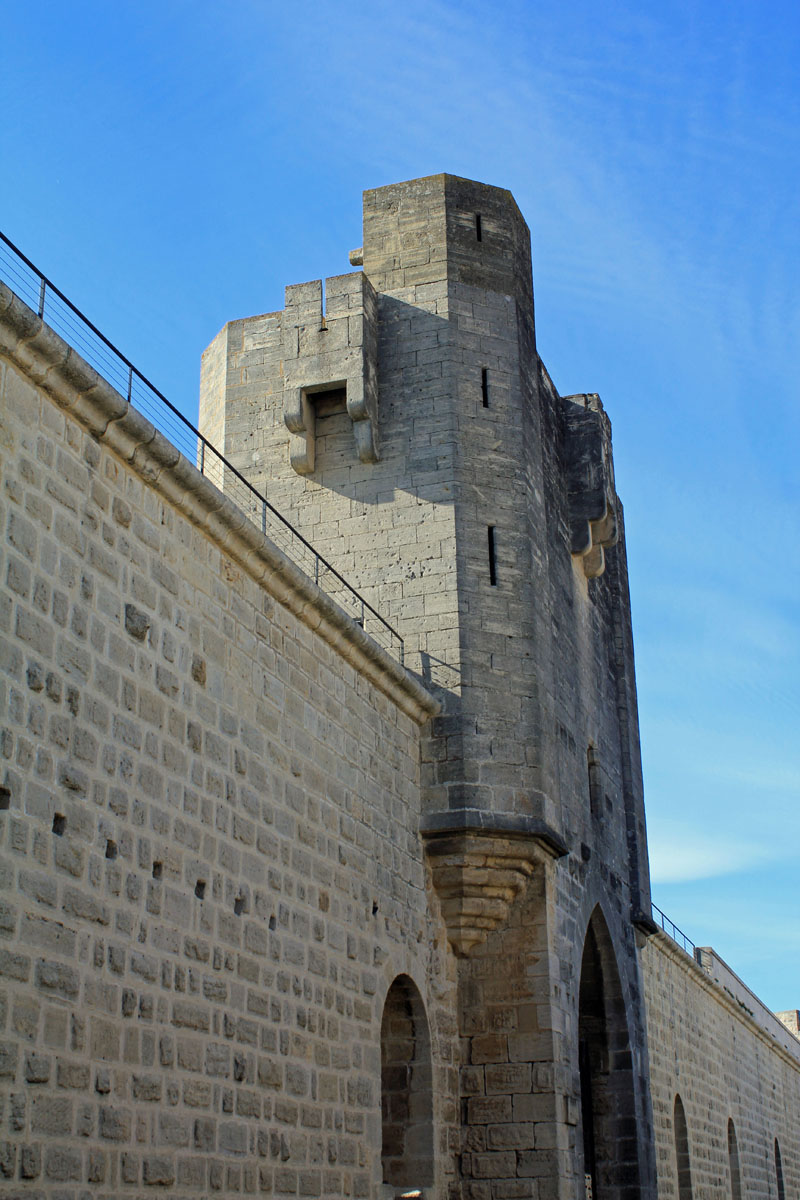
[{"x": 401, "y": 419}]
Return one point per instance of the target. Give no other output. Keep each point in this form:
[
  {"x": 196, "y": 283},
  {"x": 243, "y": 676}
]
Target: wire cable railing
[
  {"x": 41, "y": 295},
  {"x": 672, "y": 930}
]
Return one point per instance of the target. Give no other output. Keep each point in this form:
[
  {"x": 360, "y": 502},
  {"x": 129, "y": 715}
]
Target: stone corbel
[
  {"x": 477, "y": 880},
  {"x": 480, "y": 863},
  {"x": 362, "y": 405},
  {"x": 298, "y": 414}
]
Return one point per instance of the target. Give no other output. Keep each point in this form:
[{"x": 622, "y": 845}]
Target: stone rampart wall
[
  {"x": 209, "y": 859},
  {"x": 712, "y": 1043}
]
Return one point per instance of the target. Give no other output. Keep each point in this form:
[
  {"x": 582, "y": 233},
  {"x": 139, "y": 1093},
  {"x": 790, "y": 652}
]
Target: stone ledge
[
  {"x": 504, "y": 824},
  {"x": 36, "y": 349}
]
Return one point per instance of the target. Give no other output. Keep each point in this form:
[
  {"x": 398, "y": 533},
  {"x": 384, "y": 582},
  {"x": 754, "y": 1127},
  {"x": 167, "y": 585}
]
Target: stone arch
[
  {"x": 406, "y": 1089},
  {"x": 681, "y": 1132},
  {"x": 779, "y": 1172},
  {"x": 733, "y": 1162},
  {"x": 608, "y": 1100}
]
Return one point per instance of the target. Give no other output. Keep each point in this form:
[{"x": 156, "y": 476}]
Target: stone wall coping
[
  {"x": 112, "y": 421},
  {"x": 721, "y": 973},
  {"x": 715, "y": 977}
]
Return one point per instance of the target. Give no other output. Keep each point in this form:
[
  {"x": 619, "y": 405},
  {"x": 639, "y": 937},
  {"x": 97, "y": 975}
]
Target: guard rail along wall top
[{"x": 36, "y": 290}]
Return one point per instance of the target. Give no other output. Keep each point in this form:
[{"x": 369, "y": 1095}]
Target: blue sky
[{"x": 171, "y": 166}]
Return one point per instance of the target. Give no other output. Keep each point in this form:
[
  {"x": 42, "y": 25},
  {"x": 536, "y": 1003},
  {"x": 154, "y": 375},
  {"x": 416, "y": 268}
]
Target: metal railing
[
  {"x": 672, "y": 930},
  {"x": 40, "y": 294}
]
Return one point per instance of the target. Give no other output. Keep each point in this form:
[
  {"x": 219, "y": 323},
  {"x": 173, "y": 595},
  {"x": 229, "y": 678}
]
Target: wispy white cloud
[{"x": 681, "y": 855}]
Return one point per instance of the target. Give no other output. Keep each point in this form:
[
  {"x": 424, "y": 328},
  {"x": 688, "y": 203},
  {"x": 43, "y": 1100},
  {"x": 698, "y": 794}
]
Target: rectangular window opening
[
  {"x": 594, "y": 783},
  {"x": 478, "y": 229},
  {"x": 485, "y": 386},
  {"x": 492, "y": 558}
]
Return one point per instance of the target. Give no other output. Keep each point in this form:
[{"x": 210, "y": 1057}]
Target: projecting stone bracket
[
  {"x": 590, "y": 481},
  {"x": 643, "y": 922},
  {"x": 327, "y": 353},
  {"x": 298, "y": 416},
  {"x": 480, "y": 862}
]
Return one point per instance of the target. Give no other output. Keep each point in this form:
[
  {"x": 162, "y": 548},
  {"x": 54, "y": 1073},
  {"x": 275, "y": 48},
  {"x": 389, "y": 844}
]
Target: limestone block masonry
[
  {"x": 732, "y": 1063},
  {"x": 211, "y": 872},
  {"x": 278, "y": 915}
]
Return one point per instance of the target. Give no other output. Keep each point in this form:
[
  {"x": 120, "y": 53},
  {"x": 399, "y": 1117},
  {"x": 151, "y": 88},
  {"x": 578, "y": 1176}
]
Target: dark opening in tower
[
  {"x": 608, "y": 1109},
  {"x": 682, "y": 1160},
  {"x": 406, "y": 1089},
  {"x": 733, "y": 1162},
  {"x": 779, "y": 1172}
]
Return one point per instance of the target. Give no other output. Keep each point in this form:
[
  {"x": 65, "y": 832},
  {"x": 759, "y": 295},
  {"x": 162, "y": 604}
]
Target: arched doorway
[
  {"x": 733, "y": 1162},
  {"x": 608, "y": 1106},
  {"x": 684, "y": 1167},
  {"x": 779, "y": 1172},
  {"x": 406, "y": 1089}
]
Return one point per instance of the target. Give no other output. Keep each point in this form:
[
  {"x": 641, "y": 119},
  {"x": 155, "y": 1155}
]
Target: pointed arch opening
[
  {"x": 406, "y": 1089},
  {"x": 608, "y": 1103},
  {"x": 683, "y": 1163},
  {"x": 779, "y": 1172},
  {"x": 733, "y": 1162}
]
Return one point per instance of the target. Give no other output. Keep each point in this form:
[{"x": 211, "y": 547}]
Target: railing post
[
  {"x": 264, "y": 517},
  {"x": 42, "y": 289},
  {"x": 130, "y": 383},
  {"x": 202, "y": 455},
  {"x": 316, "y": 569},
  {"x": 361, "y": 622}
]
